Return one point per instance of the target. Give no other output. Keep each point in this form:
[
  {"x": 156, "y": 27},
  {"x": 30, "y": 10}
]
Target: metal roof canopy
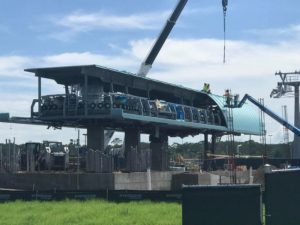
[{"x": 72, "y": 75}]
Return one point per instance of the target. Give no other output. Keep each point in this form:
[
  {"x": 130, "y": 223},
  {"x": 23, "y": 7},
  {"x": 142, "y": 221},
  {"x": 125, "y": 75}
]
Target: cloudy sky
[{"x": 263, "y": 37}]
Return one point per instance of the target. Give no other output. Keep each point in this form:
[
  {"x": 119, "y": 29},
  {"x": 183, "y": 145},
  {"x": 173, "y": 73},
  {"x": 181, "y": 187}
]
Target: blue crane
[{"x": 280, "y": 120}]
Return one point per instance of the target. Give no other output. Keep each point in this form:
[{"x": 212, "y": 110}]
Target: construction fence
[
  {"x": 9, "y": 157},
  {"x": 207, "y": 205},
  {"x": 222, "y": 205},
  {"x": 110, "y": 195},
  {"x": 282, "y": 197}
]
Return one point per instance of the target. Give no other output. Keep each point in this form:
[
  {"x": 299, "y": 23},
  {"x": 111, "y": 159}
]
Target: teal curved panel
[{"x": 246, "y": 119}]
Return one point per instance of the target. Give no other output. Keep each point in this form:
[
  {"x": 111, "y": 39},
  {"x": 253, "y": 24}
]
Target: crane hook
[{"x": 224, "y": 4}]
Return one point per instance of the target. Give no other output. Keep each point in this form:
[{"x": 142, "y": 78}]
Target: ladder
[{"x": 228, "y": 102}]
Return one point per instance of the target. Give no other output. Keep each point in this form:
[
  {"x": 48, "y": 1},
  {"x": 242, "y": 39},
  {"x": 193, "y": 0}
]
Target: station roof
[{"x": 75, "y": 74}]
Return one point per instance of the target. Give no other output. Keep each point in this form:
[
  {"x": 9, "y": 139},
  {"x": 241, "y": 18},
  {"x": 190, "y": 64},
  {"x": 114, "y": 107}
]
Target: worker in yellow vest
[{"x": 206, "y": 88}]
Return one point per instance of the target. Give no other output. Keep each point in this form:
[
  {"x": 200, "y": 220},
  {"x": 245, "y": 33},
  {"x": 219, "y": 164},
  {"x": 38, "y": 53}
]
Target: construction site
[
  {"x": 221, "y": 170},
  {"x": 102, "y": 101}
]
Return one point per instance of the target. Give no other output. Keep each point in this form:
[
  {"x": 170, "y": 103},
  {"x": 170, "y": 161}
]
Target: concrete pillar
[
  {"x": 212, "y": 150},
  {"x": 296, "y": 143},
  {"x": 95, "y": 137},
  {"x": 206, "y": 148},
  {"x": 132, "y": 142},
  {"x": 159, "y": 152}
]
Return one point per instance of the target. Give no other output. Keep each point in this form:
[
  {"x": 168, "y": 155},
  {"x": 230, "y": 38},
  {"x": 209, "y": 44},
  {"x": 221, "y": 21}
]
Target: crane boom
[
  {"x": 147, "y": 64},
  {"x": 280, "y": 120}
]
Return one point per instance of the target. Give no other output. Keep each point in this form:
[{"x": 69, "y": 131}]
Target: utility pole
[{"x": 285, "y": 130}]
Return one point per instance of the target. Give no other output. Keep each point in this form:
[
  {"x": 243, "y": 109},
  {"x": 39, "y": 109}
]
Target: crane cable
[{"x": 224, "y": 4}]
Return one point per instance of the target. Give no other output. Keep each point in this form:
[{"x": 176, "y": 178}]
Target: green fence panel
[
  {"x": 282, "y": 197},
  {"x": 222, "y": 205}
]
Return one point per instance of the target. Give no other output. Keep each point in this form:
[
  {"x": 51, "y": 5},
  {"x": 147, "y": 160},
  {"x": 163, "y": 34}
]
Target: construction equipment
[
  {"x": 147, "y": 64},
  {"x": 285, "y": 130},
  {"x": 224, "y": 4},
  {"x": 49, "y": 155},
  {"x": 273, "y": 115},
  {"x": 289, "y": 87}
]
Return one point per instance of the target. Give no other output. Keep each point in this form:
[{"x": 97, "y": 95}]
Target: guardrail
[{"x": 73, "y": 105}]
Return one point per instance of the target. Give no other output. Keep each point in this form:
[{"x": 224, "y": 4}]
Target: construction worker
[
  {"x": 228, "y": 97},
  {"x": 206, "y": 88},
  {"x": 157, "y": 103}
]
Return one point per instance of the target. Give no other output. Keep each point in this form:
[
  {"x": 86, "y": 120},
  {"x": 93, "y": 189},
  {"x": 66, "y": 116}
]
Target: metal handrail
[{"x": 104, "y": 103}]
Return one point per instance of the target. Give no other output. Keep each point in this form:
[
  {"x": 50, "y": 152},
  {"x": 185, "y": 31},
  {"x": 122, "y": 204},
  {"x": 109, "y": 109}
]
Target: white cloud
[
  {"x": 13, "y": 66},
  {"x": 86, "y": 58},
  {"x": 203, "y": 58},
  {"x": 249, "y": 69},
  {"x": 79, "y": 22},
  {"x": 282, "y": 33}
]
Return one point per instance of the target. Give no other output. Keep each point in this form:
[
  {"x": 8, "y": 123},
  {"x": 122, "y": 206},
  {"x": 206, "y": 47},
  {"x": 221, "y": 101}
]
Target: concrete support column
[
  {"x": 206, "y": 148},
  {"x": 95, "y": 137},
  {"x": 213, "y": 150},
  {"x": 213, "y": 144},
  {"x": 132, "y": 147},
  {"x": 159, "y": 152},
  {"x": 296, "y": 143}
]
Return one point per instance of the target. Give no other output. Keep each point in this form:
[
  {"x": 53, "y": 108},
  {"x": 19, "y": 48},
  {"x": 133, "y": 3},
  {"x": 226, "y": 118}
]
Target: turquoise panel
[{"x": 245, "y": 119}]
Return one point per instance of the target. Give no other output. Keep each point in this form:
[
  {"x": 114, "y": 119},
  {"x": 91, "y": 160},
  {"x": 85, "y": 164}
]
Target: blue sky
[
  {"x": 29, "y": 27},
  {"x": 263, "y": 37}
]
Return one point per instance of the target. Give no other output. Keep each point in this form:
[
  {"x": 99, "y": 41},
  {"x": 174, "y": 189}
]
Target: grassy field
[{"x": 89, "y": 212}]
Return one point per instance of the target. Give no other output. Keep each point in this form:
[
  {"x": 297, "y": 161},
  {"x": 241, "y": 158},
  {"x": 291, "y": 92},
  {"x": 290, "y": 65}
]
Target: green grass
[{"x": 89, "y": 212}]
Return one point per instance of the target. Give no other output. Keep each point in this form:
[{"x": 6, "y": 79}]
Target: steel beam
[{"x": 296, "y": 143}]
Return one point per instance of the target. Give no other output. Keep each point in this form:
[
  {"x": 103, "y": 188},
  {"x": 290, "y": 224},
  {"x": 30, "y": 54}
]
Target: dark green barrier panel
[
  {"x": 282, "y": 197},
  {"x": 132, "y": 195},
  {"x": 221, "y": 205},
  {"x": 111, "y": 195}
]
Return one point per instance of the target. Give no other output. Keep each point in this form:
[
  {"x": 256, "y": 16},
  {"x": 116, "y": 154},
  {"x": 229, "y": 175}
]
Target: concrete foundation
[
  {"x": 86, "y": 181},
  {"x": 159, "y": 151},
  {"x": 138, "y": 181},
  {"x": 57, "y": 181},
  {"x": 178, "y": 180}
]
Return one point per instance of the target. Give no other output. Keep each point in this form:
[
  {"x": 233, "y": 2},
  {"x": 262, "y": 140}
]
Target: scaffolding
[
  {"x": 230, "y": 102},
  {"x": 263, "y": 129},
  {"x": 285, "y": 130}
]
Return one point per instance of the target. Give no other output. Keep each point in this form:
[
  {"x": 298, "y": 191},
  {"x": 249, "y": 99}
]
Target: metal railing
[{"x": 74, "y": 105}]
